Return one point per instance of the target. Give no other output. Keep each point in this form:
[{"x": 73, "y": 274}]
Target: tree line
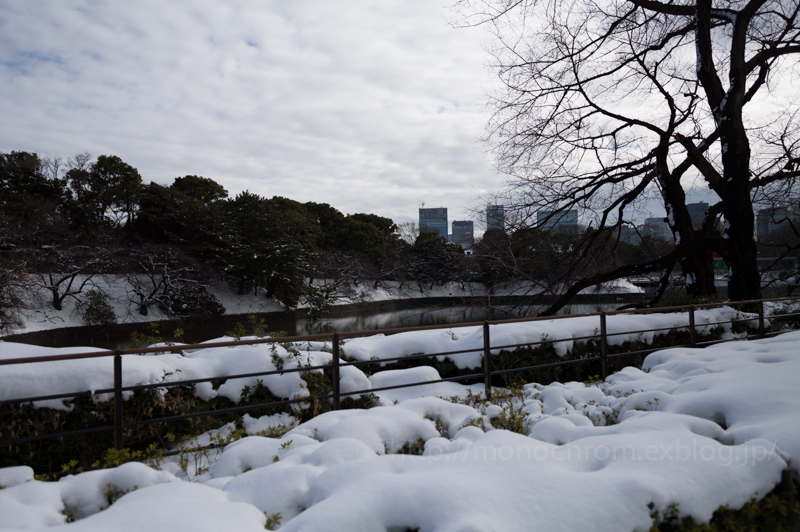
[{"x": 64, "y": 222}]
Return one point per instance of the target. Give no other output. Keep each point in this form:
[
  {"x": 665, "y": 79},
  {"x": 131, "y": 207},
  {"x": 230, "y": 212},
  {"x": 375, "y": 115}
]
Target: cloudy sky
[{"x": 368, "y": 105}]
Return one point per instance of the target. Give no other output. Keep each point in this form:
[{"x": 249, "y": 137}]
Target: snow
[
  {"x": 420, "y": 374},
  {"x": 694, "y": 430},
  {"x": 617, "y": 286},
  {"x": 564, "y": 332},
  {"x": 28, "y": 380},
  {"x": 39, "y": 314}
]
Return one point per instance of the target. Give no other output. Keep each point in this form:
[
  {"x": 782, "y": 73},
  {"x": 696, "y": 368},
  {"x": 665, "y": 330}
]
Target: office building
[
  {"x": 769, "y": 221},
  {"x": 557, "y": 221},
  {"x": 657, "y": 228},
  {"x": 697, "y": 212},
  {"x": 495, "y": 217},
  {"x": 433, "y": 220},
  {"x": 462, "y": 233},
  {"x": 629, "y": 235}
]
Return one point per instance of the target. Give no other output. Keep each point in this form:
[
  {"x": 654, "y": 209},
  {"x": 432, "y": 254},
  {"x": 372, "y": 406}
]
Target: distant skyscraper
[
  {"x": 770, "y": 220},
  {"x": 434, "y": 220},
  {"x": 463, "y": 233},
  {"x": 629, "y": 235},
  {"x": 656, "y": 228},
  {"x": 495, "y": 217},
  {"x": 557, "y": 221},
  {"x": 697, "y": 212}
]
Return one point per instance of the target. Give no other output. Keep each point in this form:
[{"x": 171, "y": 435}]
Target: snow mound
[{"x": 695, "y": 430}]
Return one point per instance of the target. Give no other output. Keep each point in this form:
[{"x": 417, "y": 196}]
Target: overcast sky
[{"x": 368, "y": 105}]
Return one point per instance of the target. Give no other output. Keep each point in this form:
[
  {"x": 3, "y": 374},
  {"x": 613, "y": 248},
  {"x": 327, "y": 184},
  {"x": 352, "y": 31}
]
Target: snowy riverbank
[{"x": 39, "y": 314}]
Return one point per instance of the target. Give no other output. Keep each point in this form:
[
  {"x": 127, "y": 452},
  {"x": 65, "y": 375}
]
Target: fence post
[
  {"x": 603, "y": 347},
  {"x": 692, "y": 339},
  {"x": 487, "y": 362},
  {"x": 761, "y": 318},
  {"x": 117, "y": 400},
  {"x": 335, "y": 378}
]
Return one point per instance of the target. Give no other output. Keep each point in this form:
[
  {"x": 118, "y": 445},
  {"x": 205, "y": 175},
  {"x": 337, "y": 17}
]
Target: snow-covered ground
[
  {"x": 694, "y": 430},
  {"x": 40, "y": 314},
  {"x": 26, "y": 380}
]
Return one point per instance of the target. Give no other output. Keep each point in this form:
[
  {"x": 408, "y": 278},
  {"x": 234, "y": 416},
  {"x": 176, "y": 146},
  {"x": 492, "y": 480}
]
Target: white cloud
[{"x": 361, "y": 104}]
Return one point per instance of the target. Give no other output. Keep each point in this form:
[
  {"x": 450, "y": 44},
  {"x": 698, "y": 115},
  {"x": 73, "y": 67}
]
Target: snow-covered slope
[
  {"x": 696, "y": 430},
  {"x": 39, "y": 313}
]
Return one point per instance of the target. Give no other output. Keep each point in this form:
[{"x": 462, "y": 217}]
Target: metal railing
[{"x": 600, "y": 339}]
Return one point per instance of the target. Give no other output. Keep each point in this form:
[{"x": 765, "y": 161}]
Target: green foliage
[
  {"x": 200, "y": 188},
  {"x": 145, "y": 339},
  {"x": 199, "y": 456},
  {"x": 108, "y": 193},
  {"x": 97, "y": 310},
  {"x": 362, "y": 237},
  {"x": 386, "y": 226},
  {"x": 415, "y": 448},
  {"x": 770, "y": 513},
  {"x": 320, "y": 300},
  {"x": 512, "y": 418},
  {"x": 23, "y": 176},
  {"x": 367, "y": 234},
  {"x": 22, "y": 421},
  {"x": 271, "y": 246},
  {"x": 69, "y": 513},
  {"x": 510, "y": 400},
  {"x": 112, "y": 493},
  {"x": 238, "y": 331},
  {"x": 12, "y": 274},
  {"x": 170, "y": 215},
  {"x": 273, "y": 521},
  {"x": 433, "y": 259},
  {"x": 781, "y": 317},
  {"x": 546, "y": 353},
  {"x": 258, "y": 326},
  {"x": 143, "y": 443}
]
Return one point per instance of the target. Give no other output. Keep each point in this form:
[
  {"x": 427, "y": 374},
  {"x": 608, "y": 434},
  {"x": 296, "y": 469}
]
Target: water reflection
[
  {"x": 350, "y": 321},
  {"x": 430, "y": 316}
]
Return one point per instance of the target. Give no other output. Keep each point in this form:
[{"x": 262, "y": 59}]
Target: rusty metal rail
[{"x": 335, "y": 338}]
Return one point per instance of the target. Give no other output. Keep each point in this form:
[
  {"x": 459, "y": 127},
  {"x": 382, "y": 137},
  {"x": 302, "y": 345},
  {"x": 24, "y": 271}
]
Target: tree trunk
[
  {"x": 697, "y": 266},
  {"x": 742, "y": 255},
  {"x": 699, "y": 272},
  {"x": 745, "y": 280},
  {"x": 56, "y": 299}
]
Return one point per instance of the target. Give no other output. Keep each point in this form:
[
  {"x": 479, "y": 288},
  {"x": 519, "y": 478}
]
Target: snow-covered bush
[{"x": 97, "y": 310}]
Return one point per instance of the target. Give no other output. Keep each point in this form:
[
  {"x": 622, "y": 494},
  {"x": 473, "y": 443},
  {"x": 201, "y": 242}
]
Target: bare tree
[
  {"x": 52, "y": 166},
  {"x": 606, "y": 104},
  {"x": 342, "y": 271},
  {"x": 66, "y": 273},
  {"x": 80, "y": 161},
  {"x": 408, "y": 232},
  {"x": 169, "y": 280}
]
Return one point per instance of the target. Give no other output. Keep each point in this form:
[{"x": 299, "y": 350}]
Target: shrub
[{"x": 97, "y": 310}]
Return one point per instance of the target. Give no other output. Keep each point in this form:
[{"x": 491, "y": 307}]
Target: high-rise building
[
  {"x": 697, "y": 212},
  {"x": 557, "y": 221},
  {"x": 434, "y": 220},
  {"x": 495, "y": 217},
  {"x": 768, "y": 221},
  {"x": 463, "y": 233},
  {"x": 629, "y": 235},
  {"x": 656, "y": 228}
]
